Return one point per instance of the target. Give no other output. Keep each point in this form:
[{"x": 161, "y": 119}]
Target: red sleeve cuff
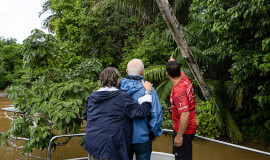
[{"x": 183, "y": 109}]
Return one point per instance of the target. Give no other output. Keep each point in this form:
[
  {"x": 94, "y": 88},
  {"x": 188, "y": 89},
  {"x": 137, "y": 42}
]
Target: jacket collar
[
  {"x": 133, "y": 77},
  {"x": 107, "y": 89}
]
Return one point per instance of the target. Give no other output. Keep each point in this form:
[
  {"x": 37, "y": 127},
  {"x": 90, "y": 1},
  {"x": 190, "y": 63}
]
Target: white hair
[{"x": 135, "y": 67}]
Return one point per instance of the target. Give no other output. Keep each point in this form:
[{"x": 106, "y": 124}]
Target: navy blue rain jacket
[{"x": 109, "y": 123}]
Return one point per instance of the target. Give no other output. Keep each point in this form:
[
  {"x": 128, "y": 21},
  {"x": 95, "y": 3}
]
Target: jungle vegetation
[{"x": 49, "y": 76}]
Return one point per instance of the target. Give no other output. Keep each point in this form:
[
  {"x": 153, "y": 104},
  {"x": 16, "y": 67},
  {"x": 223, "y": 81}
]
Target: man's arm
[
  {"x": 171, "y": 59},
  {"x": 184, "y": 119},
  {"x": 156, "y": 115},
  {"x": 140, "y": 109}
]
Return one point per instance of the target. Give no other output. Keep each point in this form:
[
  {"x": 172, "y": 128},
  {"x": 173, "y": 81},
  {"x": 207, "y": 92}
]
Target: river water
[{"x": 202, "y": 149}]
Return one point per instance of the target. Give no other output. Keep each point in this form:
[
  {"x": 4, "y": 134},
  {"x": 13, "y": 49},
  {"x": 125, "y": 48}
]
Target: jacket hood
[
  {"x": 131, "y": 84},
  {"x": 99, "y": 96}
]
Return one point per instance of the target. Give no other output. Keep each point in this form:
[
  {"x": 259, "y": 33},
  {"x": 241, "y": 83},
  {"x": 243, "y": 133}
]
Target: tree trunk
[{"x": 169, "y": 17}]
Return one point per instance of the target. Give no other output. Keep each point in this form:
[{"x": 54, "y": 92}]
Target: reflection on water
[
  {"x": 8, "y": 152},
  {"x": 202, "y": 149}
]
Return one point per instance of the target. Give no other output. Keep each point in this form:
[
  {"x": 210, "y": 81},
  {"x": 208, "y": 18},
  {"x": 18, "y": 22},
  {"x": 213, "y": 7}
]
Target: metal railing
[
  {"x": 164, "y": 130},
  {"x": 226, "y": 143}
]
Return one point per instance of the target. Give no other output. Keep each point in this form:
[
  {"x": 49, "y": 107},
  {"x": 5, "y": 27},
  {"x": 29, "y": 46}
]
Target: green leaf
[
  {"x": 55, "y": 118},
  {"x": 3, "y": 143},
  {"x": 67, "y": 119},
  {"x": 32, "y": 141},
  {"x": 72, "y": 115}
]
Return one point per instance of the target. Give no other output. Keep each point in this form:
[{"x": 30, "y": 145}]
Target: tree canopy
[{"x": 50, "y": 75}]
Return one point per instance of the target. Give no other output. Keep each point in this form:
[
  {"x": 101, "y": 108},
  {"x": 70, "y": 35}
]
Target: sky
[{"x": 19, "y": 17}]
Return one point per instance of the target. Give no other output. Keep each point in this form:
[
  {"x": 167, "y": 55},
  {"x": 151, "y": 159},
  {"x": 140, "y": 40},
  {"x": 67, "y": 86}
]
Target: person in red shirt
[{"x": 183, "y": 111}]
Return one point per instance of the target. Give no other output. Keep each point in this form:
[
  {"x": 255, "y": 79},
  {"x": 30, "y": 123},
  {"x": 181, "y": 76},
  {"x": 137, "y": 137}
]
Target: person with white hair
[
  {"x": 144, "y": 129},
  {"x": 108, "y": 114}
]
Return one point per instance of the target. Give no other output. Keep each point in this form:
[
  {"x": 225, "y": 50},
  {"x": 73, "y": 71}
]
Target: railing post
[{"x": 55, "y": 137}]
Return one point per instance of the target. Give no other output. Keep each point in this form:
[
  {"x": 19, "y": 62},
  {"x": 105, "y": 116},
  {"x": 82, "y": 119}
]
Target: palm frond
[
  {"x": 192, "y": 38},
  {"x": 219, "y": 110},
  {"x": 145, "y": 9},
  {"x": 179, "y": 57},
  {"x": 235, "y": 93},
  {"x": 200, "y": 58},
  {"x": 164, "y": 90},
  {"x": 148, "y": 9},
  {"x": 181, "y": 10},
  {"x": 202, "y": 36},
  {"x": 196, "y": 23},
  {"x": 155, "y": 73},
  {"x": 167, "y": 35},
  {"x": 99, "y": 4},
  {"x": 230, "y": 87},
  {"x": 232, "y": 129},
  {"x": 178, "y": 4},
  {"x": 47, "y": 23},
  {"x": 223, "y": 116},
  {"x": 45, "y": 7}
]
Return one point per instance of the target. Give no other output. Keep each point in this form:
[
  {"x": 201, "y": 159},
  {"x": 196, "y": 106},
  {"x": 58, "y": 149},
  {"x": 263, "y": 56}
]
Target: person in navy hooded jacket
[
  {"x": 108, "y": 114},
  {"x": 146, "y": 129}
]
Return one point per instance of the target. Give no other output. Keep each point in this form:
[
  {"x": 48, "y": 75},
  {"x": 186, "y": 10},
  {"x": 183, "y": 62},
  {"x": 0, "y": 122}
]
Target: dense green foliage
[
  {"x": 10, "y": 61},
  {"x": 206, "y": 121},
  {"x": 241, "y": 42},
  {"x": 51, "y": 75},
  {"x": 103, "y": 34},
  {"x": 52, "y": 91}
]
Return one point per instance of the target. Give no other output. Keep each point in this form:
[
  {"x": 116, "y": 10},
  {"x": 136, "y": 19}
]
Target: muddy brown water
[{"x": 202, "y": 149}]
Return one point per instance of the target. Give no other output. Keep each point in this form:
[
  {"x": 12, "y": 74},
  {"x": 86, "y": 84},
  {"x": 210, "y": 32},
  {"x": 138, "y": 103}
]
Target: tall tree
[
  {"x": 142, "y": 8},
  {"x": 170, "y": 18}
]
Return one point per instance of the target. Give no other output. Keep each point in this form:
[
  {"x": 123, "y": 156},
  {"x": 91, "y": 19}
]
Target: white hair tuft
[{"x": 135, "y": 67}]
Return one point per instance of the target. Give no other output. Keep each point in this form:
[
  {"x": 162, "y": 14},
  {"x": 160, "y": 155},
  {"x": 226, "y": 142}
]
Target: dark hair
[
  {"x": 173, "y": 69},
  {"x": 109, "y": 76}
]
